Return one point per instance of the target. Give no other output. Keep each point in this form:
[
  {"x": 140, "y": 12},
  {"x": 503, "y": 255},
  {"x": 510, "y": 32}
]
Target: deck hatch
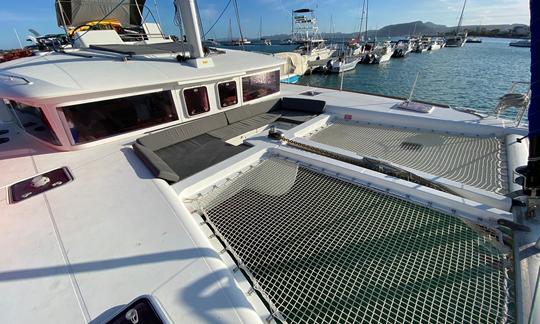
[
  {"x": 39, "y": 184},
  {"x": 476, "y": 161},
  {"x": 319, "y": 249}
]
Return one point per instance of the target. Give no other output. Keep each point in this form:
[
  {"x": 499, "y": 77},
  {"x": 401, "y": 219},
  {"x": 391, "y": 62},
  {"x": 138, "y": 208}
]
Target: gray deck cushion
[
  {"x": 196, "y": 154},
  {"x": 245, "y": 112},
  {"x": 300, "y": 104},
  {"x": 294, "y": 117},
  {"x": 244, "y": 126},
  {"x": 183, "y": 132},
  {"x": 157, "y": 166}
]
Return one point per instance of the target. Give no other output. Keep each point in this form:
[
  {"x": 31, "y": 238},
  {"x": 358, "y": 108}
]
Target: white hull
[
  {"x": 344, "y": 67},
  {"x": 386, "y": 57}
]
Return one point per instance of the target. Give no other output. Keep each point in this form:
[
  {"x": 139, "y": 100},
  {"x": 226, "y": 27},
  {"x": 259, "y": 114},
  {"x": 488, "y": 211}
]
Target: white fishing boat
[
  {"x": 403, "y": 48},
  {"x": 305, "y": 33},
  {"x": 384, "y": 52},
  {"x": 436, "y": 44},
  {"x": 156, "y": 182},
  {"x": 342, "y": 64},
  {"x": 380, "y": 53}
]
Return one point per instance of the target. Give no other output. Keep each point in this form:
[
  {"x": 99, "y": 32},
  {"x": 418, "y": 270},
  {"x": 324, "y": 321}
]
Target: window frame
[
  {"x": 263, "y": 97},
  {"x": 56, "y": 141},
  {"x": 184, "y": 102},
  {"x": 238, "y": 93},
  {"x": 67, "y": 129}
]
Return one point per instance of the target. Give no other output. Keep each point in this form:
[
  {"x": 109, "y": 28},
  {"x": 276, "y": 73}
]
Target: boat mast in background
[
  {"x": 367, "y": 12},
  {"x": 460, "y": 23}
]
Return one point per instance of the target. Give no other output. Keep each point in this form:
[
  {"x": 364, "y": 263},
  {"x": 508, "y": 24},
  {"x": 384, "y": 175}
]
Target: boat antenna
[
  {"x": 18, "y": 38},
  {"x": 292, "y": 24},
  {"x": 413, "y": 89}
]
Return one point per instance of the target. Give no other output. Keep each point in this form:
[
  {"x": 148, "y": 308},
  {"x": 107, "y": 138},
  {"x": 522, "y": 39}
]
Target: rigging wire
[
  {"x": 218, "y": 18},
  {"x": 239, "y": 25},
  {"x": 200, "y": 19}
]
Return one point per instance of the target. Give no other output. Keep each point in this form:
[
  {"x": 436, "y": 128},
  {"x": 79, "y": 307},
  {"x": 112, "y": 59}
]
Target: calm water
[{"x": 474, "y": 76}]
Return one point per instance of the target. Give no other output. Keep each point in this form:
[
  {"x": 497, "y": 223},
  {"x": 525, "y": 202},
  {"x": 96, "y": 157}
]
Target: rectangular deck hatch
[
  {"x": 38, "y": 184},
  {"x": 140, "y": 311}
]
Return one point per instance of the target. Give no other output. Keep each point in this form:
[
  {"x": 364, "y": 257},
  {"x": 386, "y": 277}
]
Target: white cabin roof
[{"x": 58, "y": 75}]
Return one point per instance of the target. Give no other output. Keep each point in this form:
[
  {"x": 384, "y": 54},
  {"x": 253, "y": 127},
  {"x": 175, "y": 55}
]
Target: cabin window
[
  {"x": 227, "y": 94},
  {"x": 34, "y": 122},
  {"x": 97, "y": 120},
  {"x": 197, "y": 101},
  {"x": 260, "y": 85}
]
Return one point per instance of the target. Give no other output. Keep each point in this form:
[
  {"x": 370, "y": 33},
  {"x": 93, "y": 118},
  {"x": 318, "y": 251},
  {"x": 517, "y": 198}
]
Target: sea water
[{"x": 474, "y": 76}]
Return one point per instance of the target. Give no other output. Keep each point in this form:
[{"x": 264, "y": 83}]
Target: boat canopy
[
  {"x": 303, "y": 10},
  {"x": 78, "y": 12}
]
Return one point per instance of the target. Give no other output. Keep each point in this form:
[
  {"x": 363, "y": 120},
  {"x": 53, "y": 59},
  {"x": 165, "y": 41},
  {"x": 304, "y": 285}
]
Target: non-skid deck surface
[
  {"x": 475, "y": 161},
  {"x": 323, "y": 250}
]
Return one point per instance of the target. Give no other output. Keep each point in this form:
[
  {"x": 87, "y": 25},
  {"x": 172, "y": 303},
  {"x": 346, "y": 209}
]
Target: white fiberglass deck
[{"x": 476, "y": 161}]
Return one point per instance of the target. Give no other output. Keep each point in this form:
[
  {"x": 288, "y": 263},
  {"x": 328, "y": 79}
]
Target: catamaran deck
[
  {"x": 476, "y": 161},
  {"x": 315, "y": 239}
]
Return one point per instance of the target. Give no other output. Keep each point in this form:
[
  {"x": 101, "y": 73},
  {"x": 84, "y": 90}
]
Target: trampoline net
[
  {"x": 319, "y": 249},
  {"x": 476, "y": 161}
]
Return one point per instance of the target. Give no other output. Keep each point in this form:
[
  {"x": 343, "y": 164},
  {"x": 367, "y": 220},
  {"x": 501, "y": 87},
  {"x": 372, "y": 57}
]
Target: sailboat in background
[
  {"x": 461, "y": 37},
  {"x": 357, "y": 46},
  {"x": 263, "y": 41},
  {"x": 236, "y": 42}
]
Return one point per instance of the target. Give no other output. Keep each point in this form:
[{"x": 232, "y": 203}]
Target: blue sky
[{"x": 40, "y": 15}]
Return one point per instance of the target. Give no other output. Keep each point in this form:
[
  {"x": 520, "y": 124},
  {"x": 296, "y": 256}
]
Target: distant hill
[
  {"x": 414, "y": 28},
  {"x": 411, "y": 28}
]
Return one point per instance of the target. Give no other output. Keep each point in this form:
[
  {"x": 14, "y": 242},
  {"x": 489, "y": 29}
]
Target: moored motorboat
[
  {"x": 342, "y": 64},
  {"x": 402, "y": 48},
  {"x": 521, "y": 43}
]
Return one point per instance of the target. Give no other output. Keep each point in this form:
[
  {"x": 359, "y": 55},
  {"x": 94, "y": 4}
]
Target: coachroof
[{"x": 58, "y": 75}]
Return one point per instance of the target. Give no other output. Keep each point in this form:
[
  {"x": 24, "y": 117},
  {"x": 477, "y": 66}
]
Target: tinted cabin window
[
  {"x": 34, "y": 122},
  {"x": 260, "y": 85},
  {"x": 227, "y": 94},
  {"x": 197, "y": 101},
  {"x": 93, "y": 121}
]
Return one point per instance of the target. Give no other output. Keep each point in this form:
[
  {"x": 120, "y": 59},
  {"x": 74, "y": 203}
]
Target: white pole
[
  {"x": 413, "y": 88},
  {"x": 18, "y": 38},
  {"x": 190, "y": 20},
  {"x": 341, "y": 85}
]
